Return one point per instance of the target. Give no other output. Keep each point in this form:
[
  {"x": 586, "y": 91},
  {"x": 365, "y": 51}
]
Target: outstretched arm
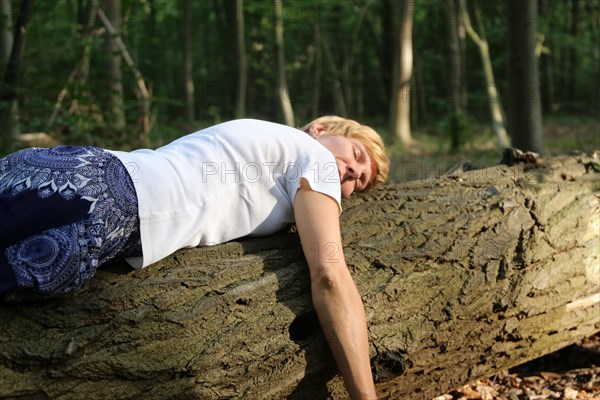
[{"x": 335, "y": 297}]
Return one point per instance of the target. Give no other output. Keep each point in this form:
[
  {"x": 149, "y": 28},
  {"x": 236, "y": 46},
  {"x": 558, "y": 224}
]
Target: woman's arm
[{"x": 335, "y": 297}]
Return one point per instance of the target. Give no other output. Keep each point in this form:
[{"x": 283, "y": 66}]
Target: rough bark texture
[
  {"x": 525, "y": 105},
  {"x": 461, "y": 276},
  {"x": 403, "y": 72}
]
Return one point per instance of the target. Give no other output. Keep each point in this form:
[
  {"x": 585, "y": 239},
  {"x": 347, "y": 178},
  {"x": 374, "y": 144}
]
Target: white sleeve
[{"x": 320, "y": 171}]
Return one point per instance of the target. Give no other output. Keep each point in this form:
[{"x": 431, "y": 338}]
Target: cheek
[{"x": 347, "y": 188}]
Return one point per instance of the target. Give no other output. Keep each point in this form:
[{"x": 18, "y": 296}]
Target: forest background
[{"x": 443, "y": 81}]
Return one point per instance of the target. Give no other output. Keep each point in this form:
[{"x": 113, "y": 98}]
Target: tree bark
[
  {"x": 454, "y": 53},
  {"x": 339, "y": 101},
  {"x": 462, "y": 45},
  {"x": 546, "y": 60},
  {"x": 13, "y": 129},
  {"x": 454, "y": 72},
  {"x": 81, "y": 72},
  {"x": 572, "y": 69},
  {"x": 282, "y": 88},
  {"x": 494, "y": 102},
  {"x": 87, "y": 39},
  {"x": 188, "y": 65},
  {"x": 9, "y": 110},
  {"x": 240, "y": 110},
  {"x": 145, "y": 119},
  {"x": 402, "y": 73},
  {"x": 461, "y": 276},
  {"x": 388, "y": 48},
  {"x": 525, "y": 116},
  {"x": 6, "y": 30},
  {"x": 116, "y": 106}
]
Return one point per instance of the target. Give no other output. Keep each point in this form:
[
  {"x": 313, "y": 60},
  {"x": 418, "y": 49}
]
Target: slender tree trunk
[
  {"x": 402, "y": 73},
  {"x": 546, "y": 59},
  {"x": 116, "y": 106},
  {"x": 12, "y": 76},
  {"x": 572, "y": 70},
  {"x": 340, "y": 103},
  {"x": 494, "y": 101},
  {"x": 145, "y": 119},
  {"x": 422, "y": 94},
  {"x": 6, "y": 42},
  {"x": 348, "y": 66},
  {"x": 454, "y": 52},
  {"x": 88, "y": 38},
  {"x": 188, "y": 64},
  {"x": 414, "y": 97},
  {"x": 240, "y": 110},
  {"x": 461, "y": 276},
  {"x": 454, "y": 73},
  {"x": 388, "y": 48},
  {"x": 6, "y": 30},
  {"x": 80, "y": 73},
  {"x": 462, "y": 46},
  {"x": 593, "y": 8},
  {"x": 526, "y": 109},
  {"x": 282, "y": 88}
]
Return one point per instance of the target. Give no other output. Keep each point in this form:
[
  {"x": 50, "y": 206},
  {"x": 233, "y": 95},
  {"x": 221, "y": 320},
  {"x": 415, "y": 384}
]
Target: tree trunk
[
  {"x": 116, "y": 106},
  {"x": 494, "y": 102},
  {"x": 454, "y": 72},
  {"x": 402, "y": 73},
  {"x": 461, "y": 276},
  {"x": 13, "y": 45},
  {"x": 454, "y": 52},
  {"x": 145, "y": 119},
  {"x": 240, "y": 110},
  {"x": 462, "y": 45},
  {"x": 81, "y": 72},
  {"x": 188, "y": 65},
  {"x": 87, "y": 38},
  {"x": 388, "y": 48},
  {"x": 6, "y": 30},
  {"x": 282, "y": 89},
  {"x": 572, "y": 69},
  {"x": 525, "y": 102},
  {"x": 339, "y": 101},
  {"x": 546, "y": 60}
]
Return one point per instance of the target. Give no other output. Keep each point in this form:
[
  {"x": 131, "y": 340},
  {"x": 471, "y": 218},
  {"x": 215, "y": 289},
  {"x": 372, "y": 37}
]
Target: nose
[{"x": 352, "y": 172}]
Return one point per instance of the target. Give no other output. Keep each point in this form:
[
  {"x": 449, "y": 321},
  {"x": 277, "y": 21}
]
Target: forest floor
[
  {"x": 570, "y": 373},
  {"x": 430, "y": 156}
]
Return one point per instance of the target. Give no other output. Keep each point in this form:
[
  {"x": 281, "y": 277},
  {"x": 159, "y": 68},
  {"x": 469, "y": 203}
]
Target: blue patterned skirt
[{"x": 63, "y": 212}]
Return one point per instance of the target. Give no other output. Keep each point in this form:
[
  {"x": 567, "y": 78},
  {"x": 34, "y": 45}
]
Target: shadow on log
[{"x": 461, "y": 276}]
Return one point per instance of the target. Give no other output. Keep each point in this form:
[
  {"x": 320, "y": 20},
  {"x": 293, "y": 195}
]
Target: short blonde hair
[{"x": 351, "y": 129}]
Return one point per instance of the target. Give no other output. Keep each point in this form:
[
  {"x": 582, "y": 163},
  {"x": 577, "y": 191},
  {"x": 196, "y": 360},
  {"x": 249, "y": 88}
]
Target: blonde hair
[{"x": 339, "y": 126}]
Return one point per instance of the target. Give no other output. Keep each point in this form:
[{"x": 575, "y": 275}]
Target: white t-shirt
[{"x": 234, "y": 179}]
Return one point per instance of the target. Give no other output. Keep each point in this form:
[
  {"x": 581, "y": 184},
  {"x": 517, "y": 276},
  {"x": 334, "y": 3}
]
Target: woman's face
[{"x": 353, "y": 161}]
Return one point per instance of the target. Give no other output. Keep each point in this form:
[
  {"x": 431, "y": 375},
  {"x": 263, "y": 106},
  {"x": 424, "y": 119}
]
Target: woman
[{"x": 67, "y": 210}]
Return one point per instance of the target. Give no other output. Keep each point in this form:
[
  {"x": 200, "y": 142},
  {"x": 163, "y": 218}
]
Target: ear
[{"x": 316, "y": 130}]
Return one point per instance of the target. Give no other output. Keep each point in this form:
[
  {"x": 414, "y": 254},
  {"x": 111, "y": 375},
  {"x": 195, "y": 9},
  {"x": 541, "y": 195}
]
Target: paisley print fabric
[{"x": 89, "y": 191}]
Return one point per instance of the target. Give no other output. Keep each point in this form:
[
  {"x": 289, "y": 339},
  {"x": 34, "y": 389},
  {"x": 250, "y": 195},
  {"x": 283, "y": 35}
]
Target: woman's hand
[{"x": 335, "y": 297}]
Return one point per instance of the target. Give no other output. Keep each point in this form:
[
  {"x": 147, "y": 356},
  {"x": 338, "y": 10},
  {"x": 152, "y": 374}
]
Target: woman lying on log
[{"x": 66, "y": 210}]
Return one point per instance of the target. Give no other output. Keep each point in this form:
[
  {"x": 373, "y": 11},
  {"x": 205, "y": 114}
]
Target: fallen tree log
[{"x": 461, "y": 276}]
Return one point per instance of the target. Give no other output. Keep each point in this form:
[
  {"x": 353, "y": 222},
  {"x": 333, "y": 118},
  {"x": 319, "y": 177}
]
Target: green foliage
[{"x": 354, "y": 31}]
